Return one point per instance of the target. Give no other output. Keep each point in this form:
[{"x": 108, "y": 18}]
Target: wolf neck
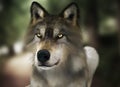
[{"x": 58, "y": 78}]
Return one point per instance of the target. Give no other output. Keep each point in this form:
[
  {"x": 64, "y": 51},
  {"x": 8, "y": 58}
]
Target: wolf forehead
[{"x": 51, "y": 22}]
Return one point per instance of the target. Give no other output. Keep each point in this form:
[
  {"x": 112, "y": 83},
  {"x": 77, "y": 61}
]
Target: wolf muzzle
[{"x": 43, "y": 56}]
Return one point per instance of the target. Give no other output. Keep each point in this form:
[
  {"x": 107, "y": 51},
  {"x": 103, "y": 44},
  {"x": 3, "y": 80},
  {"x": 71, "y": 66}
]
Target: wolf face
[{"x": 53, "y": 37}]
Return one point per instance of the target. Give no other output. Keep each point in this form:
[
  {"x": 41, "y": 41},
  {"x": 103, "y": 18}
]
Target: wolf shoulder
[{"x": 92, "y": 58}]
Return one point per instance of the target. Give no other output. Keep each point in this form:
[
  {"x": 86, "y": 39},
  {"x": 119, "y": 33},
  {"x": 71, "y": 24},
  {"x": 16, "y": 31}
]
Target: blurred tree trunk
[
  {"x": 91, "y": 22},
  {"x": 118, "y": 21},
  {"x": 11, "y": 50}
]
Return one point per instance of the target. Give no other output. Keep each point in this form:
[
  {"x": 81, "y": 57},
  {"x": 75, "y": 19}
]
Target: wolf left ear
[
  {"x": 37, "y": 11},
  {"x": 71, "y": 13}
]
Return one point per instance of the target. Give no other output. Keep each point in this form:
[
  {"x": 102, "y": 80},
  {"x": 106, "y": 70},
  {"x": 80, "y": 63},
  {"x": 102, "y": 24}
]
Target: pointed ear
[
  {"x": 71, "y": 13},
  {"x": 37, "y": 11}
]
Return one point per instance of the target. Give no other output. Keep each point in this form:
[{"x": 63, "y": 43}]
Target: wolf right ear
[
  {"x": 37, "y": 11},
  {"x": 71, "y": 13}
]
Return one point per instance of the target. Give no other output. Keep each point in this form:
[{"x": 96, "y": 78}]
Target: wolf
[{"x": 60, "y": 58}]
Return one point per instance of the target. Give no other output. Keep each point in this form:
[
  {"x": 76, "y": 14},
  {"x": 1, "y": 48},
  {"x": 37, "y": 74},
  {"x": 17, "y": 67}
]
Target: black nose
[{"x": 43, "y": 55}]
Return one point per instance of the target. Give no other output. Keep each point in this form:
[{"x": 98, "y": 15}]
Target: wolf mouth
[{"x": 48, "y": 65}]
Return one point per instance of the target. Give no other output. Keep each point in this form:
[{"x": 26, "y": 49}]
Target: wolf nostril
[{"x": 43, "y": 55}]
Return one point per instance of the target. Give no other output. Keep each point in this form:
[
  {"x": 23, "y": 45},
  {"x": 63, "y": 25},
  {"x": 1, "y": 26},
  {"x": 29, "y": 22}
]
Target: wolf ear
[
  {"x": 37, "y": 11},
  {"x": 71, "y": 13}
]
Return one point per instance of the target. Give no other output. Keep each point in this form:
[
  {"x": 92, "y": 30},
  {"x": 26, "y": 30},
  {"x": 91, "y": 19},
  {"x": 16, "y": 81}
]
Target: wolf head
[
  {"x": 53, "y": 38},
  {"x": 56, "y": 43}
]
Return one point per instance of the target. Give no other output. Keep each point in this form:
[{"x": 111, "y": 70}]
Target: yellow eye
[
  {"x": 60, "y": 36},
  {"x": 39, "y": 35}
]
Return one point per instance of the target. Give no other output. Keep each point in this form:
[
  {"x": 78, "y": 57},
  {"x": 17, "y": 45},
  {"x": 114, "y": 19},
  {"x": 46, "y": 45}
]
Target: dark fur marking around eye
[{"x": 59, "y": 36}]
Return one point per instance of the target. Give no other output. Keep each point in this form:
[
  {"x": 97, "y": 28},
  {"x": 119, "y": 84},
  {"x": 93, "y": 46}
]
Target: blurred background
[{"x": 100, "y": 26}]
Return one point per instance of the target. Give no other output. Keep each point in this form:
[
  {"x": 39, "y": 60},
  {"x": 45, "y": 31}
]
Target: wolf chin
[{"x": 59, "y": 57}]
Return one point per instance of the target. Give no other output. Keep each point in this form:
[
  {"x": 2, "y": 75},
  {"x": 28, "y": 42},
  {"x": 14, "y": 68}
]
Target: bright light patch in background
[
  {"x": 108, "y": 26},
  {"x": 19, "y": 65},
  {"x": 18, "y": 47},
  {"x": 4, "y": 50}
]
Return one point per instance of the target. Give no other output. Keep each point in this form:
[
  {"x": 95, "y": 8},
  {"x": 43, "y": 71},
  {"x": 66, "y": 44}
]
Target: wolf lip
[
  {"x": 48, "y": 65},
  {"x": 44, "y": 65}
]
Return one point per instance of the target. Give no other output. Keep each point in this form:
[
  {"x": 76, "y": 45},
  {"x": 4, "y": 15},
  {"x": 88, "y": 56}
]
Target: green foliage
[{"x": 13, "y": 21}]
